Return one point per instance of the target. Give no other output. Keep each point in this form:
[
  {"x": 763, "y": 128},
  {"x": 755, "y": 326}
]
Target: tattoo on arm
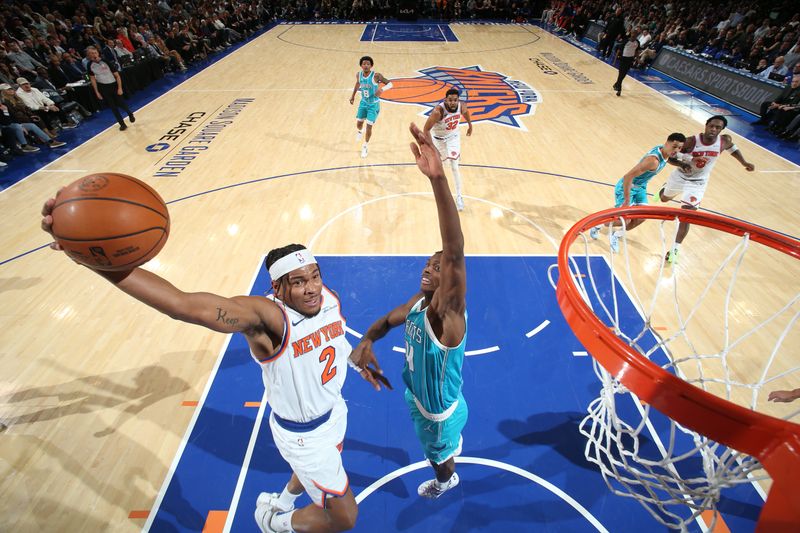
[{"x": 222, "y": 316}]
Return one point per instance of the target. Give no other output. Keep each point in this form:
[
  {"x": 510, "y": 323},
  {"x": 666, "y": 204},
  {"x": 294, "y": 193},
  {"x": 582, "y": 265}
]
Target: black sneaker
[
  {"x": 123, "y": 127},
  {"x": 132, "y": 118}
]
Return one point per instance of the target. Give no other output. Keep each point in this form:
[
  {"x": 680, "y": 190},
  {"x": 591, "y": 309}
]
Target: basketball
[{"x": 110, "y": 221}]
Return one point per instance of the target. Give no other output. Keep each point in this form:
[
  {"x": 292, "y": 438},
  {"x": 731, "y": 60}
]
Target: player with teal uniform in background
[
  {"x": 631, "y": 189},
  {"x": 370, "y": 106},
  {"x": 435, "y": 322}
]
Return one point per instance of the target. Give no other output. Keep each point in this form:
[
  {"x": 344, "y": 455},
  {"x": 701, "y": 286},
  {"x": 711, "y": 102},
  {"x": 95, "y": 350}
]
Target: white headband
[{"x": 290, "y": 262}]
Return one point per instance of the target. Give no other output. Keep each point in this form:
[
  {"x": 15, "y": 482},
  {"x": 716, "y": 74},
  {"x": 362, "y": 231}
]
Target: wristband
[{"x": 354, "y": 366}]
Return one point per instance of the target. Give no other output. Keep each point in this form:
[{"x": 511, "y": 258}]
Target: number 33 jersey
[{"x": 304, "y": 378}]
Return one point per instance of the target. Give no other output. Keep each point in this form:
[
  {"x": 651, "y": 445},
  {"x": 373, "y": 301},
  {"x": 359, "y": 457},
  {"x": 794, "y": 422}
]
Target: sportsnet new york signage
[{"x": 489, "y": 96}]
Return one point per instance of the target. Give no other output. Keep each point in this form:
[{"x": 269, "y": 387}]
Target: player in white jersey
[
  {"x": 297, "y": 335},
  {"x": 688, "y": 182},
  {"x": 443, "y": 124}
]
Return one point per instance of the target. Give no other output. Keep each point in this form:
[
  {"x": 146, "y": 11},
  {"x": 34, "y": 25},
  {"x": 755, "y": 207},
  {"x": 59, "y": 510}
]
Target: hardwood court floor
[{"x": 93, "y": 382}]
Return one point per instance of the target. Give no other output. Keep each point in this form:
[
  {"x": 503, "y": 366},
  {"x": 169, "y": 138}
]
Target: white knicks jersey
[
  {"x": 304, "y": 378},
  {"x": 704, "y": 157},
  {"x": 448, "y": 126}
]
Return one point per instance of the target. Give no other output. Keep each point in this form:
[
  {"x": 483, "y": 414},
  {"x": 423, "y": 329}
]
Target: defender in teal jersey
[
  {"x": 435, "y": 322},
  {"x": 367, "y": 85},
  {"x": 631, "y": 189}
]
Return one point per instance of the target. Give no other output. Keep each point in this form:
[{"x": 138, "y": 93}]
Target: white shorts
[
  {"x": 315, "y": 455},
  {"x": 687, "y": 192},
  {"x": 449, "y": 147}
]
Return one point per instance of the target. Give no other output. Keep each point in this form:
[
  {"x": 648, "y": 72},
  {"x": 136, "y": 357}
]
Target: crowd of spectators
[
  {"x": 43, "y": 49},
  {"x": 761, "y": 38}
]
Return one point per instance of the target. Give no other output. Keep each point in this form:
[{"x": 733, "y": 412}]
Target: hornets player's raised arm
[
  {"x": 244, "y": 314},
  {"x": 450, "y": 296}
]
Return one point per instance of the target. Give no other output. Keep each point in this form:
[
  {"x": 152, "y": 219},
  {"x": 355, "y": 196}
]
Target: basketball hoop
[{"x": 730, "y": 439}]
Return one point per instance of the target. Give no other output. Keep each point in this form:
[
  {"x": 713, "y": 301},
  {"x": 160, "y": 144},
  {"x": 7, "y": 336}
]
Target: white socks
[
  {"x": 282, "y": 521},
  {"x": 286, "y": 499}
]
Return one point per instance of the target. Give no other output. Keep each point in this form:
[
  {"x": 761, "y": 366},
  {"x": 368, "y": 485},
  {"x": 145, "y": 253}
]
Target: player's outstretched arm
[
  {"x": 433, "y": 118},
  {"x": 448, "y": 302},
  {"x": 228, "y": 315},
  {"x": 468, "y": 118},
  {"x": 784, "y": 396},
  {"x": 727, "y": 144},
  {"x": 380, "y": 78},
  {"x": 363, "y": 355},
  {"x": 355, "y": 90}
]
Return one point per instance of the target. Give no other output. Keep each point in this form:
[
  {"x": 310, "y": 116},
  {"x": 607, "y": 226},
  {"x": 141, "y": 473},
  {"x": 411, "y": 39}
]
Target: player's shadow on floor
[
  {"x": 477, "y": 504},
  {"x": 558, "y": 431}
]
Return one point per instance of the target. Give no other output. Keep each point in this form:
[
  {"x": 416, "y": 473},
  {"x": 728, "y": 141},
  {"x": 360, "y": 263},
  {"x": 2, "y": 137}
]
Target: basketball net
[{"x": 692, "y": 320}]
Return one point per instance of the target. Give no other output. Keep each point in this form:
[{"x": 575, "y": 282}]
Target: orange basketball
[
  {"x": 110, "y": 221},
  {"x": 416, "y": 90}
]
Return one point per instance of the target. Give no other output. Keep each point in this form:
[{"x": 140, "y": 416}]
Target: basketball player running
[
  {"x": 367, "y": 84},
  {"x": 435, "y": 323},
  {"x": 443, "y": 124},
  {"x": 631, "y": 189},
  {"x": 309, "y": 416},
  {"x": 689, "y": 181}
]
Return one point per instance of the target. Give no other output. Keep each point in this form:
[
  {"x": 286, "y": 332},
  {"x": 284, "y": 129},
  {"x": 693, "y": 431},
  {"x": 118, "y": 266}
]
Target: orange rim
[{"x": 774, "y": 442}]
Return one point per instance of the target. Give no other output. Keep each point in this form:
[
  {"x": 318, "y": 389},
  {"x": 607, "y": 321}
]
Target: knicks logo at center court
[{"x": 489, "y": 96}]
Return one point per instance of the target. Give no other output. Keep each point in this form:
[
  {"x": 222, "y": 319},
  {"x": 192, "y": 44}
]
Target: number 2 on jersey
[{"x": 328, "y": 353}]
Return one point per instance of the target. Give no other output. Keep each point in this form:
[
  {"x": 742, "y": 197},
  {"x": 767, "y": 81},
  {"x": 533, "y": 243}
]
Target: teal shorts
[
  {"x": 638, "y": 195},
  {"x": 440, "y": 440},
  {"x": 368, "y": 111}
]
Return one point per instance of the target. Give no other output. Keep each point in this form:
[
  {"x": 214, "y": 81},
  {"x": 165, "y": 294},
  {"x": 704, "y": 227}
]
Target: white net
[{"x": 723, "y": 319}]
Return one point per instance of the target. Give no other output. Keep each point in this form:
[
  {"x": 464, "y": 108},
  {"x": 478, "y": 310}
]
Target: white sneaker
[
  {"x": 594, "y": 232},
  {"x": 264, "y": 514},
  {"x": 364, "y": 151},
  {"x": 459, "y": 203},
  {"x": 271, "y": 499},
  {"x": 429, "y": 489},
  {"x": 613, "y": 241}
]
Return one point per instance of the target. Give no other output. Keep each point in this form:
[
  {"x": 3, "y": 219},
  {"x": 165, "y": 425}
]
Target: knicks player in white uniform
[
  {"x": 688, "y": 182},
  {"x": 443, "y": 124},
  {"x": 297, "y": 336}
]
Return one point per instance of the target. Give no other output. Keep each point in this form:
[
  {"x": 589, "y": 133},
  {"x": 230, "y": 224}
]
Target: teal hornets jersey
[
  {"x": 368, "y": 88},
  {"x": 642, "y": 179},
  {"x": 432, "y": 372}
]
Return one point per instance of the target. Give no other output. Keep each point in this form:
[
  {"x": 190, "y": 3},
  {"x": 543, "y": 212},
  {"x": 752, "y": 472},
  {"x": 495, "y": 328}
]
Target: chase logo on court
[{"x": 489, "y": 96}]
